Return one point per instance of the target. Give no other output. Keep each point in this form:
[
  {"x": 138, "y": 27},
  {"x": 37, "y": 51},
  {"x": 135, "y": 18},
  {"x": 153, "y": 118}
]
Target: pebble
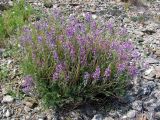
[
  {"x": 7, "y": 114},
  {"x": 131, "y": 114},
  {"x": 27, "y": 109},
  {"x": 7, "y": 99},
  {"x": 137, "y": 105},
  {"x": 151, "y": 60},
  {"x": 108, "y": 118},
  {"x": 97, "y": 117},
  {"x": 157, "y": 115},
  {"x": 146, "y": 33}
]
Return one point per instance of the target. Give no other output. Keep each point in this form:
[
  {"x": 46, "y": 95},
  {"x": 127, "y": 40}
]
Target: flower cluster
[{"x": 79, "y": 52}]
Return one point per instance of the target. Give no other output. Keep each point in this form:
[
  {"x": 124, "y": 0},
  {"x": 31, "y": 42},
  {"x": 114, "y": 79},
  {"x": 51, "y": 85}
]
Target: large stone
[{"x": 7, "y": 99}]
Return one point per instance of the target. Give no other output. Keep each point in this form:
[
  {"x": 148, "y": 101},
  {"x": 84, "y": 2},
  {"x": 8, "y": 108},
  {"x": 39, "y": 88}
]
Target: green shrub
[
  {"x": 74, "y": 60},
  {"x": 14, "y": 18}
]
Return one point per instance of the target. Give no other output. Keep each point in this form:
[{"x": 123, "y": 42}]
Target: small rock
[
  {"x": 137, "y": 105},
  {"x": 108, "y": 118},
  {"x": 97, "y": 117},
  {"x": 7, "y": 99},
  {"x": 157, "y": 71},
  {"x": 138, "y": 33},
  {"x": 126, "y": 20},
  {"x": 157, "y": 52},
  {"x": 4, "y": 91},
  {"x": 156, "y": 94},
  {"x": 131, "y": 114},
  {"x": 94, "y": 16},
  {"x": 48, "y": 4},
  {"x": 157, "y": 107},
  {"x": 42, "y": 117},
  {"x": 157, "y": 115},
  {"x": 10, "y": 3},
  {"x": 149, "y": 104},
  {"x": 151, "y": 61},
  {"x": 141, "y": 117},
  {"x": 7, "y": 114},
  {"x": 29, "y": 102},
  {"x": 27, "y": 109},
  {"x": 1, "y": 51},
  {"x": 147, "y": 72}
]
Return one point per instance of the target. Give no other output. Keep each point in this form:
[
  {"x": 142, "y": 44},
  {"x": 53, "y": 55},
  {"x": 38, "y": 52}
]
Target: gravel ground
[{"x": 142, "y": 101}]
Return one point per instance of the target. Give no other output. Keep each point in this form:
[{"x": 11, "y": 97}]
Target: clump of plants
[
  {"x": 14, "y": 18},
  {"x": 76, "y": 59}
]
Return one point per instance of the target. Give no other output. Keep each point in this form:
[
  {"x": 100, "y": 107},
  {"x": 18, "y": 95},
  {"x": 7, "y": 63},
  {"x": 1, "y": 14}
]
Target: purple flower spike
[
  {"x": 133, "y": 71},
  {"x": 86, "y": 75},
  {"x": 123, "y": 31},
  {"x": 55, "y": 55},
  {"x": 88, "y": 17},
  {"x": 110, "y": 27},
  {"x": 96, "y": 74},
  {"x": 107, "y": 72},
  {"x": 40, "y": 39},
  {"x": 121, "y": 68}
]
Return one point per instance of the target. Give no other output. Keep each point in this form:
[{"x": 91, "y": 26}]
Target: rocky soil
[{"x": 142, "y": 101}]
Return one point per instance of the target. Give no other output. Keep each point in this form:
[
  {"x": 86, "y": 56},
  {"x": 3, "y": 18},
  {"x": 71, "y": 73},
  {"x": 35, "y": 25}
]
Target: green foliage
[
  {"x": 14, "y": 18},
  {"x": 4, "y": 71},
  {"x": 71, "y": 61}
]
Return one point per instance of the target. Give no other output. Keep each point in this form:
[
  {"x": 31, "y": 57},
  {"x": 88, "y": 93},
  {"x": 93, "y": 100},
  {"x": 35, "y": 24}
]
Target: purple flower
[
  {"x": 55, "y": 76},
  {"x": 82, "y": 55},
  {"x": 70, "y": 48},
  {"x": 40, "y": 39},
  {"x": 135, "y": 54},
  {"x": 88, "y": 17},
  {"x": 132, "y": 70},
  {"x": 121, "y": 68},
  {"x": 59, "y": 69},
  {"x": 70, "y": 31},
  {"x": 123, "y": 31},
  {"x": 110, "y": 27},
  {"x": 28, "y": 83},
  {"x": 107, "y": 72},
  {"x": 86, "y": 76},
  {"x": 93, "y": 25},
  {"x": 55, "y": 55},
  {"x": 127, "y": 45},
  {"x": 96, "y": 74}
]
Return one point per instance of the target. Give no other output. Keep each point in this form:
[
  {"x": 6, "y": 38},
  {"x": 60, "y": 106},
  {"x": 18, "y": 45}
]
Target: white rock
[
  {"x": 7, "y": 114},
  {"x": 97, "y": 117},
  {"x": 147, "y": 72},
  {"x": 108, "y": 118},
  {"x": 27, "y": 109},
  {"x": 10, "y": 3},
  {"x": 7, "y": 99},
  {"x": 94, "y": 16},
  {"x": 131, "y": 114}
]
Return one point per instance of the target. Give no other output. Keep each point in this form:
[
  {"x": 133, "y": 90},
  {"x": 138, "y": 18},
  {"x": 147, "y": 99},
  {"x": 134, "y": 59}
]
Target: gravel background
[{"x": 142, "y": 101}]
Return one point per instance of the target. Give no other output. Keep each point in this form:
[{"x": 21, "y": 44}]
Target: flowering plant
[{"x": 74, "y": 59}]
